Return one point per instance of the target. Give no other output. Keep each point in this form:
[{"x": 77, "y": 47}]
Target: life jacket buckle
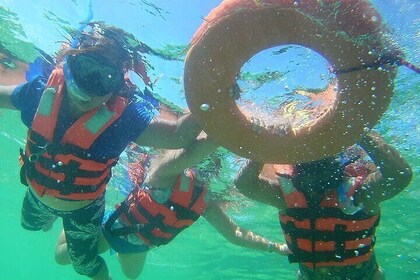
[{"x": 35, "y": 156}]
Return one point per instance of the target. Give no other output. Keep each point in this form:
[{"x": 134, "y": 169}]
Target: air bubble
[{"x": 205, "y": 107}]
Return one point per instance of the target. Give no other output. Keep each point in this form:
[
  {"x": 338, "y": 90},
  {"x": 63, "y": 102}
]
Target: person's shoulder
[
  {"x": 134, "y": 120},
  {"x": 140, "y": 109},
  {"x": 40, "y": 81},
  {"x": 37, "y": 83},
  {"x": 137, "y": 111},
  {"x": 28, "y": 94},
  {"x": 140, "y": 103}
]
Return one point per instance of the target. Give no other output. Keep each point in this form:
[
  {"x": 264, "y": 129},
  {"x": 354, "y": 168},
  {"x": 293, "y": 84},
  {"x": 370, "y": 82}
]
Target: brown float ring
[{"x": 347, "y": 33}]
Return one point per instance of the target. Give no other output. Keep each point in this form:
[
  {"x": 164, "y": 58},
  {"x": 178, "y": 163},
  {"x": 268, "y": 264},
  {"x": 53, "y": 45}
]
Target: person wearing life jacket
[
  {"x": 79, "y": 121},
  {"x": 171, "y": 198},
  {"x": 329, "y": 209}
]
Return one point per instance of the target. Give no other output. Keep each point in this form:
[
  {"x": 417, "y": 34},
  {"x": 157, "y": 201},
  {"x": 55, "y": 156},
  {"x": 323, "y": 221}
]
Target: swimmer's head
[
  {"x": 108, "y": 47},
  {"x": 319, "y": 175}
]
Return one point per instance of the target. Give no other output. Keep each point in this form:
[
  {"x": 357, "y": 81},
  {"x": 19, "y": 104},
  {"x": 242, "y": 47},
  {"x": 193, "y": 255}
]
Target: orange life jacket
[
  {"x": 137, "y": 170},
  {"x": 320, "y": 234},
  {"x": 158, "y": 223},
  {"x": 64, "y": 168}
]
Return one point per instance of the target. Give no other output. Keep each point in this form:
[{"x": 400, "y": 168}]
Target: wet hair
[
  {"x": 319, "y": 176},
  {"x": 107, "y": 41},
  {"x": 115, "y": 47}
]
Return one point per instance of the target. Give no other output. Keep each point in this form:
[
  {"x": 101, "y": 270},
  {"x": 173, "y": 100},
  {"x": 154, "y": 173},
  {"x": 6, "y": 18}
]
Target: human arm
[
  {"x": 24, "y": 97},
  {"x": 171, "y": 163},
  {"x": 218, "y": 218},
  {"x": 256, "y": 187},
  {"x": 6, "y": 97},
  {"x": 393, "y": 175},
  {"x": 166, "y": 134}
]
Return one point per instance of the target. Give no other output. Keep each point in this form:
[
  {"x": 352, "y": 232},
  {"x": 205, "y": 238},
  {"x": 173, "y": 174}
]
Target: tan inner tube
[{"x": 237, "y": 30}]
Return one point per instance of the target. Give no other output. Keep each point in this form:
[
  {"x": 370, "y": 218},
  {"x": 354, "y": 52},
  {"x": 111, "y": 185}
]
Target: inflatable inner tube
[{"x": 349, "y": 34}]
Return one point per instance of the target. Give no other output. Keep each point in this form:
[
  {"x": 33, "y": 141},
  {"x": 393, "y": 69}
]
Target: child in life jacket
[
  {"x": 329, "y": 209},
  {"x": 171, "y": 198},
  {"x": 80, "y": 119}
]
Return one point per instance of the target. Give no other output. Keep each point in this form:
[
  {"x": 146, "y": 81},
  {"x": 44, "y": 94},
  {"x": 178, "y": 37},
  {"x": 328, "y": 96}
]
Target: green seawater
[{"x": 200, "y": 252}]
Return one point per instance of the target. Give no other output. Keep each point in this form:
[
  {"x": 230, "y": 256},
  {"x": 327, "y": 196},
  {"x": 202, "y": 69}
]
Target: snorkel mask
[
  {"x": 98, "y": 61},
  {"x": 91, "y": 74}
]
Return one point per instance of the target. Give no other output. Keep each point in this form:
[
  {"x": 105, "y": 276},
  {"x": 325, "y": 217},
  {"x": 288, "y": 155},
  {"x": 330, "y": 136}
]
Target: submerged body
[
  {"x": 79, "y": 121},
  {"x": 328, "y": 213},
  {"x": 171, "y": 199}
]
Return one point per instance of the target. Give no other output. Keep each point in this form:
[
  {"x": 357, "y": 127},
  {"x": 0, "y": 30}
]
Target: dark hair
[
  {"x": 107, "y": 41},
  {"x": 324, "y": 174},
  {"x": 117, "y": 47}
]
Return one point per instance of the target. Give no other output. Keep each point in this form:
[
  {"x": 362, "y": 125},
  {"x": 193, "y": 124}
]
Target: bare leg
[
  {"x": 132, "y": 264},
  {"x": 103, "y": 244},
  {"x": 103, "y": 274},
  {"x": 299, "y": 275},
  {"x": 379, "y": 275},
  {"x": 62, "y": 256}
]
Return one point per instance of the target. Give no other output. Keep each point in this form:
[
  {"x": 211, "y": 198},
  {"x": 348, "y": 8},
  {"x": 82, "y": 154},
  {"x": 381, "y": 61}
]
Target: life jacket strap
[
  {"x": 326, "y": 236},
  {"x": 122, "y": 208},
  {"x": 328, "y": 256},
  {"x": 25, "y": 165},
  {"x": 339, "y": 236}
]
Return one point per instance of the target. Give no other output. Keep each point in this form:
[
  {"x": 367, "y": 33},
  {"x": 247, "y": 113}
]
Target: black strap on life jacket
[
  {"x": 67, "y": 186},
  {"x": 339, "y": 236},
  {"x": 136, "y": 227},
  {"x": 24, "y": 167},
  {"x": 122, "y": 208},
  {"x": 71, "y": 170},
  {"x": 327, "y": 256},
  {"x": 325, "y": 236},
  {"x": 157, "y": 221},
  {"x": 37, "y": 141},
  {"x": 53, "y": 149},
  {"x": 185, "y": 213}
]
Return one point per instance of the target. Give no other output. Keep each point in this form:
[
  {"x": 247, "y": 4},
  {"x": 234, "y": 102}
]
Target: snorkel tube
[{"x": 82, "y": 25}]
